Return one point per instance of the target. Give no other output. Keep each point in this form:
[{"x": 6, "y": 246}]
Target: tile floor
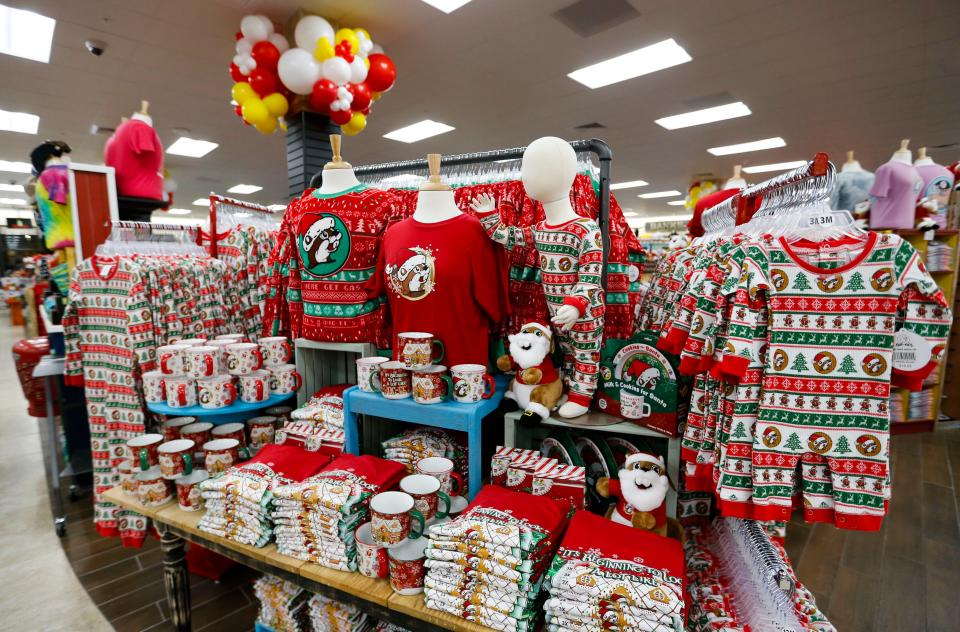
[{"x": 901, "y": 579}]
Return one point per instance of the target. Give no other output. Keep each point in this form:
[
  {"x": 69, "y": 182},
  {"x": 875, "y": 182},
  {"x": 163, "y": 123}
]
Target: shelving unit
[
  {"x": 237, "y": 411},
  {"x": 323, "y": 364}
]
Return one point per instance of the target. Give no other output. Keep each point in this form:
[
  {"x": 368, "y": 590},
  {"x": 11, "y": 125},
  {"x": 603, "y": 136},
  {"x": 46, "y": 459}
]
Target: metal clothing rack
[
  {"x": 217, "y": 200},
  {"x": 595, "y": 146}
]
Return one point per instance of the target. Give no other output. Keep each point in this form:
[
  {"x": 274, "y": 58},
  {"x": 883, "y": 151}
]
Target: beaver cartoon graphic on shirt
[
  {"x": 414, "y": 278},
  {"x": 324, "y": 243}
]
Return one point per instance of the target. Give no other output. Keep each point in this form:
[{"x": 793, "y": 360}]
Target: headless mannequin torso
[
  {"x": 435, "y": 202},
  {"x": 903, "y": 154},
  {"x": 338, "y": 176}
]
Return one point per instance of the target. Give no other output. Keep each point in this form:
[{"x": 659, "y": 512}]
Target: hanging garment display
[
  {"x": 893, "y": 195},
  {"x": 136, "y": 153}
]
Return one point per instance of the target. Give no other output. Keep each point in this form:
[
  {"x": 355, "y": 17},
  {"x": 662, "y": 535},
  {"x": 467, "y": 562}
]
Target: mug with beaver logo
[{"x": 419, "y": 350}]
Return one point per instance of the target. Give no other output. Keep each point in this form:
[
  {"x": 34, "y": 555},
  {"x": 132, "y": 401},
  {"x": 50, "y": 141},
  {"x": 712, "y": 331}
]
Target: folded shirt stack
[
  {"x": 608, "y": 576},
  {"x": 487, "y": 565},
  {"x": 315, "y": 519},
  {"x": 414, "y": 444},
  {"x": 283, "y": 605},
  {"x": 383, "y": 626},
  {"x": 238, "y": 501},
  {"x": 329, "y": 615},
  {"x": 324, "y": 409}
]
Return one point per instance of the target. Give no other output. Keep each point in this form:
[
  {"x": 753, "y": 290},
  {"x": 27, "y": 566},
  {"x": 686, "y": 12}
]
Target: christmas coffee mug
[
  {"x": 471, "y": 383},
  {"x": 153, "y": 387},
  {"x": 282, "y": 413},
  {"x": 173, "y": 426},
  {"x": 255, "y": 386},
  {"x": 192, "y": 342},
  {"x": 199, "y": 433},
  {"x": 262, "y": 429},
  {"x": 441, "y": 468},
  {"x": 152, "y": 488},
  {"x": 176, "y": 458},
  {"x": 220, "y": 455},
  {"x": 391, "y": 518},
  {"x": 284, "y": 379},
  {"x": 188, "y": 490},
  {"x": 633, "y": 406},
  {"x": 418, "y": 349},
  {"x": 431, "y": 384},
  {"x": 392, "y": 380},
  {"x": 407, "y": 567},
  {"x": 276, "y": 350},
  {"x": 128, "y": 477},
  {"x": 426, "y": 494},
  {"x": 216, "y": 392},
  {"x": 367, "y": 368},
  {"x": 231, "y": 337},
  {"x": 221, "y": 346},
  {"x": 181, "y": 391},
  {"x": 233, "y": 430},
  {"x": 143, "y": 450},
  {"x": 201, "y": 361},
  {"x": 170, "y": 358},
  {"x": 243, "y": 357},
  {"x": 371, "y": 557}
]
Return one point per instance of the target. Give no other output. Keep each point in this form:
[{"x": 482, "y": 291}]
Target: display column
[
  {"x": 176, "y": 580},
  {"x": 308, "y": 148}
]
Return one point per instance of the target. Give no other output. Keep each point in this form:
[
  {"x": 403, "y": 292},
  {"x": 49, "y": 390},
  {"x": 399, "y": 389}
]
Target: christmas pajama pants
[{"x": 581, "y": 350}]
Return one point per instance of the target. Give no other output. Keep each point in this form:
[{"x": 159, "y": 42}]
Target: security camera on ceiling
[{"x": 96, "y": 47}]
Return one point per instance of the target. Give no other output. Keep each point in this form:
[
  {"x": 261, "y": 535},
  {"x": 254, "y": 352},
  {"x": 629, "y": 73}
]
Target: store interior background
[{"x": 824, "y": 75}]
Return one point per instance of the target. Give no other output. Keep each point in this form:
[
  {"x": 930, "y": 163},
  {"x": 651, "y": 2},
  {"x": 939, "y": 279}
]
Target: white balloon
[
  {"x": 244, "y": 46},
  {"x": 298, "y": 70},
  {"x": 256, "y": 28},
  {"x": 238, "y": 59},
  {"x": 335, "y": 106},
  {"x": 376, "y": 49},
  {"x": 311, "y": 28},
  {"x": 337, "y": 70},
  {"x": 358, "y": 70},
  {"x": 280, "y": 42}
]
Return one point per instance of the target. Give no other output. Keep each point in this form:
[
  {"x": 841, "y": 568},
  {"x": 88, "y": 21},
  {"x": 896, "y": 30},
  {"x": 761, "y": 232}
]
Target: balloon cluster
[{"x": 339, "y": 73}]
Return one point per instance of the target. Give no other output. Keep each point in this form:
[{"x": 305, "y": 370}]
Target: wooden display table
[{"x": 373, "y": 596}]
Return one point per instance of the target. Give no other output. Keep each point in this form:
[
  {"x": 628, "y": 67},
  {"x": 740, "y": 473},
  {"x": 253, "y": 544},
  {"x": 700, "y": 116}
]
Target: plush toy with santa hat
[
  {"x": 641, "y": 492},
  {"x": 537, "y": 385}
]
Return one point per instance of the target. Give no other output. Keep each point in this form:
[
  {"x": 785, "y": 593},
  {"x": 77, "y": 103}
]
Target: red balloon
[
  {"x": 238, "y": 110},
  {"x": 382, "y": 73},
  {"x": 266, "y": 55},
  {"x": 263, "y": 82},
  {"x": 324, "y": 93},
  {"x": 235, "y": 73},
  {"x": 342, "y": 117},
  {"x": 238, "y": 35},
  {"x": 365, "y": 111},
  {"x": 362, "y": 96}
]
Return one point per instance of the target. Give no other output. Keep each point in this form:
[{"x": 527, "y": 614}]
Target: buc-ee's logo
[
  {"x": 820, "y": 442},
  {"x": 780, "y": 359},
  {"x": 868, "y": 445},
  {"x": 779, "y": 279},
  {"x": 830, "y": 284},
  {"x": 882, "y": 280},
  {"x": 874, "y": 364},
  {"x": 824, "y": 362},
  {"x": 323, "y": 243},
  {"x": 771, "y": 437}
]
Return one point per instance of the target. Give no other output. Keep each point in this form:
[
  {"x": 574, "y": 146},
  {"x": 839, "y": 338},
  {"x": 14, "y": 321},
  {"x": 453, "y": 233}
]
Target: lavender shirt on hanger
[{"x": 893, "y": 196}]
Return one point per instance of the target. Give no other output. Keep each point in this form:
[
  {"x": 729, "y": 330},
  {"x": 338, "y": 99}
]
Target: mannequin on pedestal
[
  {"x": 338, "y": 175},
  {"x": 435, "y": 201},
  {"x": 135, "y": 152},
  {"x": 571, "y": 261},
  {"x": 852, "y": 186},
  {"x": 895, "y": 191},
  {"x": 52, "y": 193},
  {"x": 737, "y": 181},
  {"x": 937, "y": 181}
]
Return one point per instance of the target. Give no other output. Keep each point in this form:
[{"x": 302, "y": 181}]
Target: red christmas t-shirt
[
  {"x": 135, "y": 152},
  {"x": 445, "y": 279}
]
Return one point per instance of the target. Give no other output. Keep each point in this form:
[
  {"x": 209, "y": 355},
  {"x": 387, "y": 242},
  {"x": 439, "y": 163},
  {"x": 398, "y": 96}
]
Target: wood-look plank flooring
[{"x": 903, "y": 578}]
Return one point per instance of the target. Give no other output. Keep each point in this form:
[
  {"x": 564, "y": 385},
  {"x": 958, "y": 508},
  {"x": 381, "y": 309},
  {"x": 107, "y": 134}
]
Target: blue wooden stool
[{"x": 450, "y": 415}]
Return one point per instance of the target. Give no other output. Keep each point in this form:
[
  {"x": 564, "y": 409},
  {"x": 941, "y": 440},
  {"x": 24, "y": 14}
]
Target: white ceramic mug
[
  {"x": 255, "y": 386},
  {"x": 471, "y": 383},
  {"x": 216, "y": 392},
  {"x": 188, "y": 490},
  {"x": 220, "y": 455},
  {"x": 431, "y": 384},
  {"x": 221, "y": 346},
  {"x": 284, "y": 379},
  {"x": 173, "y": 425},
  {"x": 368, "y": 369},
  {"x": 391, "y": 517},
  {"x": 153, "y": 387},
  {"x": 371, "y": 557},
  {"x": 176, "y": 458},
  {"x": 152, "y": 488},
  {"x": 407, "y": 567},
  {"x": 243, "y": 357},
  {"x": 262, "y": 429},
  {"x": 128, "y": 480},
  {"x": 275, "y": 349},
  {"x": 235, "y": 430},
  {"x": 201, "y": 361},
  {"x": 170, "y": 359},
  {"x": 426, "y": 494},
  {"x": 633, "y": 406},
  {"x": 192, "y": 342},
  {"x": 181, "y": 391},
  {"x": 142, "y": 450},
  {"x": 441, "y": 468},
  {"x": 231, "y": 337}
]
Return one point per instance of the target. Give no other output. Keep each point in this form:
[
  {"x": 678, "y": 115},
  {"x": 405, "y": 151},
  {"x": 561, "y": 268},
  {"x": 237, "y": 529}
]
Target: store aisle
[{"x": 38, "y": 588}]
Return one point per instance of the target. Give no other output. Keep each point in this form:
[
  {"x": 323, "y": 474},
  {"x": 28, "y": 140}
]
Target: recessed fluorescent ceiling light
[
  {"x": 179, "y": 211},
  {"x": 642, "y": 61},
  {"x": 243, "y": 189},
  {"x": 631, "y": 214},
  {"x": 668, "y": 218},
  {"x": 19, "y": 122},
  {"x": 277, "y": 207},
  {"x": 26, "y": 34},
  {"x": 419, "y": 131},
  {"x": 779, "y": 166},
  {"x": 13, "y": 201},
  {"x": 201, "y": 202},
  {"x": 15, "y": 167},
  {"x": 193, "y": 148},
  {"x": 701, "y": 117},
  {"x": 677, "y": 203},
  {"x": 754, "y": 145},
  {"x": 447, "y": 6},
  {"x": 13, "y": 188},
  {"x": 628, "y": 185},
  {"x": 659, "y": 194}
]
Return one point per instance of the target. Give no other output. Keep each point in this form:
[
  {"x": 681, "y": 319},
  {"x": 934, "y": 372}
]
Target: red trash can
[{"x": 26, "y": 356}]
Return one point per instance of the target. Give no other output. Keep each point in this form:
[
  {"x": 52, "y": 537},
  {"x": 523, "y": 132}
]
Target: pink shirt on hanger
[{"x": 893, "y": 196}]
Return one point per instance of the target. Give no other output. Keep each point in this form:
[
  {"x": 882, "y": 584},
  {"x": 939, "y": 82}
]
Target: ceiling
[{"x": 825, "y": 75}]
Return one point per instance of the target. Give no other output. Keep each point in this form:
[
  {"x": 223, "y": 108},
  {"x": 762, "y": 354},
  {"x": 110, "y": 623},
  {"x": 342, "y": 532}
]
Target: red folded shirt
[
  {"x": 379, "y": 473},
  {"x": 290, "y": 461}
]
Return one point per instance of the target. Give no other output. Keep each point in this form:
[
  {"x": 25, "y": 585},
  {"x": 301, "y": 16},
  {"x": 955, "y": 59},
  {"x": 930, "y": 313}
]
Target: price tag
[
  {"x": 821, "y": 219},
  {"x": 633, "y": 273},
  {"x": 911, "y": 351}
]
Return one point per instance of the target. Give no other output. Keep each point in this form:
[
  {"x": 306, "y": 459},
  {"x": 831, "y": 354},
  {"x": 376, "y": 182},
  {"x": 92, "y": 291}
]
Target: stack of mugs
[
  {"x": 415, "y": 445},
  {"x": 158, "y": 468},
  {"x": 417, "y": 373},
  {"x": 283, "y": 605},
  {"x": 215, "y": 373},
  {"x": 329, "y": 615}
]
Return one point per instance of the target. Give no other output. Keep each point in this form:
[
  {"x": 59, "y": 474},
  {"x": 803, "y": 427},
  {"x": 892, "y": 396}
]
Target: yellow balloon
[
  {"x": 267, "y": 126},
  {"x": 254, "y": 111},
  {"x": 367, "y": 62},
  {"x": 276, "y": 104},
  {"x": 363, "y": 32},
  {"x": 324, "y": 50},
  {"x": 350, "y": 36},
  {"x": 355, "y": 125},
  {"x": 242, "y": 91}
]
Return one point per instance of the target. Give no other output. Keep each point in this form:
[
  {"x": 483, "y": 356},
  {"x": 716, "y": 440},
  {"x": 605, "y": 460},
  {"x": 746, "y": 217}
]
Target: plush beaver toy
[{"x": 537, "y": 385}]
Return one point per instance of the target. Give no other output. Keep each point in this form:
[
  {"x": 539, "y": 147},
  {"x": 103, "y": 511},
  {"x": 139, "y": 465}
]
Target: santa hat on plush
[{"x": 641, "y": 491}]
